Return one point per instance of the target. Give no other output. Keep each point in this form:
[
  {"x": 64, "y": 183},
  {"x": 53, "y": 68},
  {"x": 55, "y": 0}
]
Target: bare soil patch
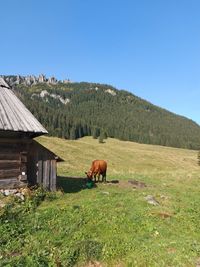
[
  {"x": 131, "y": 183},
  {"x": 94, "y": 264}
]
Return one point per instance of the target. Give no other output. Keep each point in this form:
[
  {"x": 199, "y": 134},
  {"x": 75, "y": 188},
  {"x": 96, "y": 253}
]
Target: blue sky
[{"x": 148, "y": 47}]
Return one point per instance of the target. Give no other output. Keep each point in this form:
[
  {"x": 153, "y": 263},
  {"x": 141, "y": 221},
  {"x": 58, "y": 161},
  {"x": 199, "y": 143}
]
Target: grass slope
[
  {"x": 115, "y": 225},
  {"x": 125, "y": 159}
]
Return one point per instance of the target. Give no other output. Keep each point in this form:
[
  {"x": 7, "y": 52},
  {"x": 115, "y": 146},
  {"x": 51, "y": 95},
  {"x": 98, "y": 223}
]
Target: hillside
[
  {"x": 111, "y": 224},
  {"x": 73, "y": 110},
  {"x": 124, "y": 158}
]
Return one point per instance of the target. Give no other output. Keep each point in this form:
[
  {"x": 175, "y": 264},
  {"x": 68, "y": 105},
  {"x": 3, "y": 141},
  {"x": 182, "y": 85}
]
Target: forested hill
[{"x": 72, "y": 110}]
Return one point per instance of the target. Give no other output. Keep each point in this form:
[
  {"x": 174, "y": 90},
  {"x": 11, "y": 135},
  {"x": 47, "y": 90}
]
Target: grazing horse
[{"x": 99, "y": 167}]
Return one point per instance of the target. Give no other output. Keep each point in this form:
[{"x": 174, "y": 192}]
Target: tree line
[{"x": 102, "y": 111}]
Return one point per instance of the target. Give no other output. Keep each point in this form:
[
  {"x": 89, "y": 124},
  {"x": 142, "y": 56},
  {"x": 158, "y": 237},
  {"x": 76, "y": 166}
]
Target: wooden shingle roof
[{"x": 14, "y": 116}]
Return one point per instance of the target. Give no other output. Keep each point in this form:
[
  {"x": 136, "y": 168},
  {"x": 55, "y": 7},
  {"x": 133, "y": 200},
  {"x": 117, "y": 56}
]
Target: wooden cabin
[{"x": 23, "y": 161}]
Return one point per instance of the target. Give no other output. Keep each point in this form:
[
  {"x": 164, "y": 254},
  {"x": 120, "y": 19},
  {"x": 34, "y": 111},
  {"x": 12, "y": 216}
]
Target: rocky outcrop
[
  {"x": 110, "y": 91},
  {"x": 42, "y": 78},
  {"x": 44, "y": 94},
  {"x": 66, "y": 81},
  {"x": 30, "y": 80},
  {"x": 52, "y": 80}
]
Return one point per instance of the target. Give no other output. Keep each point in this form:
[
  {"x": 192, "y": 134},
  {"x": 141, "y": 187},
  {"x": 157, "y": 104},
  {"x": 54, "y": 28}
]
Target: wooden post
[
  {"x": 40, "y": 172},
  {"x": 53, "y": 175}
]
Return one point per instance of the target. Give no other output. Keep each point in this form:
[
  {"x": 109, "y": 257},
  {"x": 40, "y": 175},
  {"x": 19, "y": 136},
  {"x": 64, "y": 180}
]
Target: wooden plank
[
  {"x": 9, "y": 145},
  {"x": 39, "y": 172},
  {"x": 9, "y": 151},
  {"x": 9, "y": 178},
  {"x": 53, "y": 175},
  {"x": 11, "y": 183},
  {"x": 9, "y": 173},
  {"x": 46, "y": 173},
  {"x": 49, "y": 174},
  {"x": 15, "y": 141},
  {"x": 48, "y": 162},
  {"x": 5, "y": 164},
  {"x": 9, "y": 160},
  {"x": 9, "y": 156}
]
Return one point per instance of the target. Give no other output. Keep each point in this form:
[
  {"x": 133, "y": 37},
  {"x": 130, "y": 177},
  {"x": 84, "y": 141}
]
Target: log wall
[
  {"x": 26, "y": 162},
  {"x": 13, "y": 163}
]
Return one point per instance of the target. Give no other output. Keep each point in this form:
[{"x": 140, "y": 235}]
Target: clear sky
[{"x": 148, "y": 47}]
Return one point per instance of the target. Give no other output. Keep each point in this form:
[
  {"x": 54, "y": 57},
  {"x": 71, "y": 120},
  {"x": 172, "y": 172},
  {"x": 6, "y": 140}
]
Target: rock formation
[{"x": 30, "y": 80}]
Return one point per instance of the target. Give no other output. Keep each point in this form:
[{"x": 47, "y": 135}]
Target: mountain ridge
[{"x": 29, "y": 80}]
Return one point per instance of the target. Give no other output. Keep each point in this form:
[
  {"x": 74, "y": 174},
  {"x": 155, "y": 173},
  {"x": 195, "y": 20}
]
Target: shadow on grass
[{"x": 71, "y": 184}]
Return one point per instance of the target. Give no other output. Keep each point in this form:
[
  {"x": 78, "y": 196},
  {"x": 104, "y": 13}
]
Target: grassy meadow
[{"x": 110, "y": 224}]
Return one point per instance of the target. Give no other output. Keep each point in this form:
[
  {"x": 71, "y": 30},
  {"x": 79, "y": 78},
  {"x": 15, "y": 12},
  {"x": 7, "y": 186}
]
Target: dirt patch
[
  {"x": 98, "y": 264},
  {"x": 162, "y": 215},
  {"x": 198, "y": 262},
  {"x": 131, "y": 183},
  {"x": 137, "y": 184},
  {"x": 165, "y": 215},
  {"x": 94, "y": 264},
  {"x": 171, "y": 250}
]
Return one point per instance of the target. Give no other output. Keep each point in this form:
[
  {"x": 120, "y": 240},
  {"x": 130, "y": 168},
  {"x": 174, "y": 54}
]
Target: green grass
[{"x": 112, "y": 225}]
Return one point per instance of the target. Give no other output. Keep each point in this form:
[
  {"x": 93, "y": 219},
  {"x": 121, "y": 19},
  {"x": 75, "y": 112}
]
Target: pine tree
[
  {"x": 95, "y": 133},
  {"x": 104, "y": 135},
  {"x": 73, "y": 133},
  {"x": 101, "y": 139}
]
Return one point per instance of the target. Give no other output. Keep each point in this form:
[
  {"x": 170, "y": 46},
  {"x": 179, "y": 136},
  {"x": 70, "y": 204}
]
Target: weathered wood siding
[
  {"x": 26, "y": 162},
  {"x": 13, "y": 163},
  {"x": 42, "y": 166}
]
